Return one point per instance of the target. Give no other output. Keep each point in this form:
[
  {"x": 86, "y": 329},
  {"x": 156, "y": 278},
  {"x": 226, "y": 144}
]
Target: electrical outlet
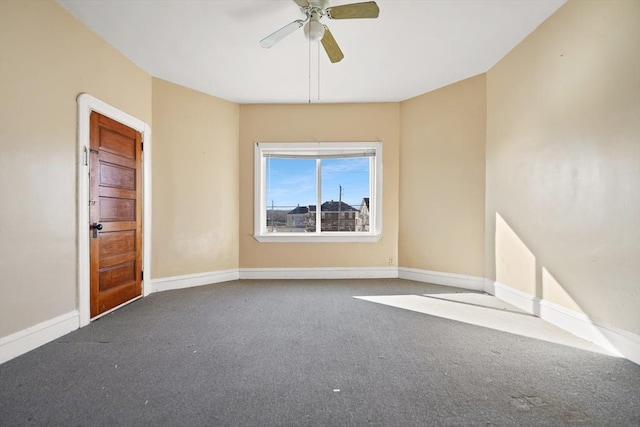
[{"x": 391, "y": 261}]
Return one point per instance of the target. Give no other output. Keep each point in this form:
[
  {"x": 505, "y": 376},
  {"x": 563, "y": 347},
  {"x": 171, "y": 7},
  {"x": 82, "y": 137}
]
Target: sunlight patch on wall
[
  {"x": 515, "y": 263},
  {"x": 516, "y": 282},
  {"x": 553, "y": 291}
]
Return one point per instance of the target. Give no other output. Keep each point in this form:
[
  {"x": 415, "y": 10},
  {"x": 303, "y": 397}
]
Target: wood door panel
[
  {"x": 115, "y": 159},
  {"x": 117, "y": 176},
  {"x": 117, "y": 193},
  {"x": 118, "y": 242},
  {"x": 117, "y": 209},
  {"x": 117, "y": 275},
  {"x": 117, "y": 143},
  {"x": 110, "y": 261},
  {"x": 118, "y": 226},
  {"x": 115, "y": 126},
  {"x": 116, "y": 296},
  {"x": 115, "y": 180}
]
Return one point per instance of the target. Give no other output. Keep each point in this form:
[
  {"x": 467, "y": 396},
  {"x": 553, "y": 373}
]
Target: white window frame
[{"x": 266, "y": 149}]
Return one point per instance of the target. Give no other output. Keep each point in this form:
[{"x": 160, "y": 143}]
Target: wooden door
[{"x": 115, "y": 213}]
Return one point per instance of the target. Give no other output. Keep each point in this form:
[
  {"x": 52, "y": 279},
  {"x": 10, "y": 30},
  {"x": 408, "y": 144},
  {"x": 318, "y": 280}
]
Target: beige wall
[
  {"x": 563, "y": 162},
  {"x": 324, "y": 123},
  {"x": 47, "y": 58},
  {"x": 195, "y": 182},
  {"x": 442, "y": 169},
  {"x": 561, "y": 205}
]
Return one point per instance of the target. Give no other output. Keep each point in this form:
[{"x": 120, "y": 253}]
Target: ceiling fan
[{"x": 315, "y": 30}]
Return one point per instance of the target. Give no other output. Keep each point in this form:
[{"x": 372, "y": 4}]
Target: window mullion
[
  {"x": 372, "y": 193},
  {"x": 261, "y": 193},
  {"x": 265, "y": 187},
  {"x": 318, "y": 195}
]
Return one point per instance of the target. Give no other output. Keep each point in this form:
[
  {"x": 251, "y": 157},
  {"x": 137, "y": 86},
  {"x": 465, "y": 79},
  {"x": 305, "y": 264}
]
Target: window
[{"x": 296, "y": 181}]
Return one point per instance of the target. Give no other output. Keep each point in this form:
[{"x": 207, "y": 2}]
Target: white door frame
[{"x": 87, "y": 104}]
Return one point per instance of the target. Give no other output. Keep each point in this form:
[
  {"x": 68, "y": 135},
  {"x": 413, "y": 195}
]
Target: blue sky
[{"x": 292, "y": 181}]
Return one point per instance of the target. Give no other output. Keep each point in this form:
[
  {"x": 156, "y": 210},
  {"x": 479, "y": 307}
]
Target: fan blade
[
  {"x": 302, "y": 3},
  {"x": 283, "y": 32},
  {"x": 331, "y": 47},
  {"x": 367, "y": 9}
]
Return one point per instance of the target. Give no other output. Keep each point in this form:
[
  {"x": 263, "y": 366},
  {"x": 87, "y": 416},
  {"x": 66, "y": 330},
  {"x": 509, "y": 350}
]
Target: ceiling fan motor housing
[{"x": 314, "y": 29}]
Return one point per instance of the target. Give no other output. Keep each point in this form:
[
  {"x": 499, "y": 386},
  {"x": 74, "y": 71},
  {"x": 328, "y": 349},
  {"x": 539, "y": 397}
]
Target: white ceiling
[{"x": 415, "y": 46}]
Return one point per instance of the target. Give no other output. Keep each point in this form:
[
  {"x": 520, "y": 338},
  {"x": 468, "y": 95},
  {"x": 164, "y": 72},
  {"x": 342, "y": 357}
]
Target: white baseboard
[
  {"x": 191, "y": 280},
  {"x": 33, "y": 337},
  {"x": 611, "y": 338},
  {"x": 320, "y": 273},
  {"x": 615, "y": 340},
  {"x": 515, "y": 297},
  {"x": 447, "y": 279}
]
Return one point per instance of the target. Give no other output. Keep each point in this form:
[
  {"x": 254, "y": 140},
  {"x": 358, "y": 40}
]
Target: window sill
[{"x": 317, "y": 238}]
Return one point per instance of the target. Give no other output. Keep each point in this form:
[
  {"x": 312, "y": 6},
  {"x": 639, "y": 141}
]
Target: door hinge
[
  {"x": 86, "y": 156},
  {"x": 142, "y": 275},
  {"x": 142, "y": 146}
]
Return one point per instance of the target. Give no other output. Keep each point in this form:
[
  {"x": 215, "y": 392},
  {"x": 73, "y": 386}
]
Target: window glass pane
[
  {"x": 290, "y": 195},
  {"x": 345, "y": 190}
]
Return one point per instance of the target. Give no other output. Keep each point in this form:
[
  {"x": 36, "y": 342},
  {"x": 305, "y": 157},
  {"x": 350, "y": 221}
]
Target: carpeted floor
[{"x": 304, "y": 352}]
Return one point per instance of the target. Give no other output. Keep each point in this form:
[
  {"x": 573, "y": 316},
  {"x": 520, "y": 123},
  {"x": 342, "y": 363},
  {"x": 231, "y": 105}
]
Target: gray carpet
[{"x": 288, "y": 353}]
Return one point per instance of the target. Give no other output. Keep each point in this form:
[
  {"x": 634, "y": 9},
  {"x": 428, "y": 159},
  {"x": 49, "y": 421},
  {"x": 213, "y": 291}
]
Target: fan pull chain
[{"x": 309, "y": 40}]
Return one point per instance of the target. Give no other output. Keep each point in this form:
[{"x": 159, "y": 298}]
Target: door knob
[{"x": 96, "y": 226}]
